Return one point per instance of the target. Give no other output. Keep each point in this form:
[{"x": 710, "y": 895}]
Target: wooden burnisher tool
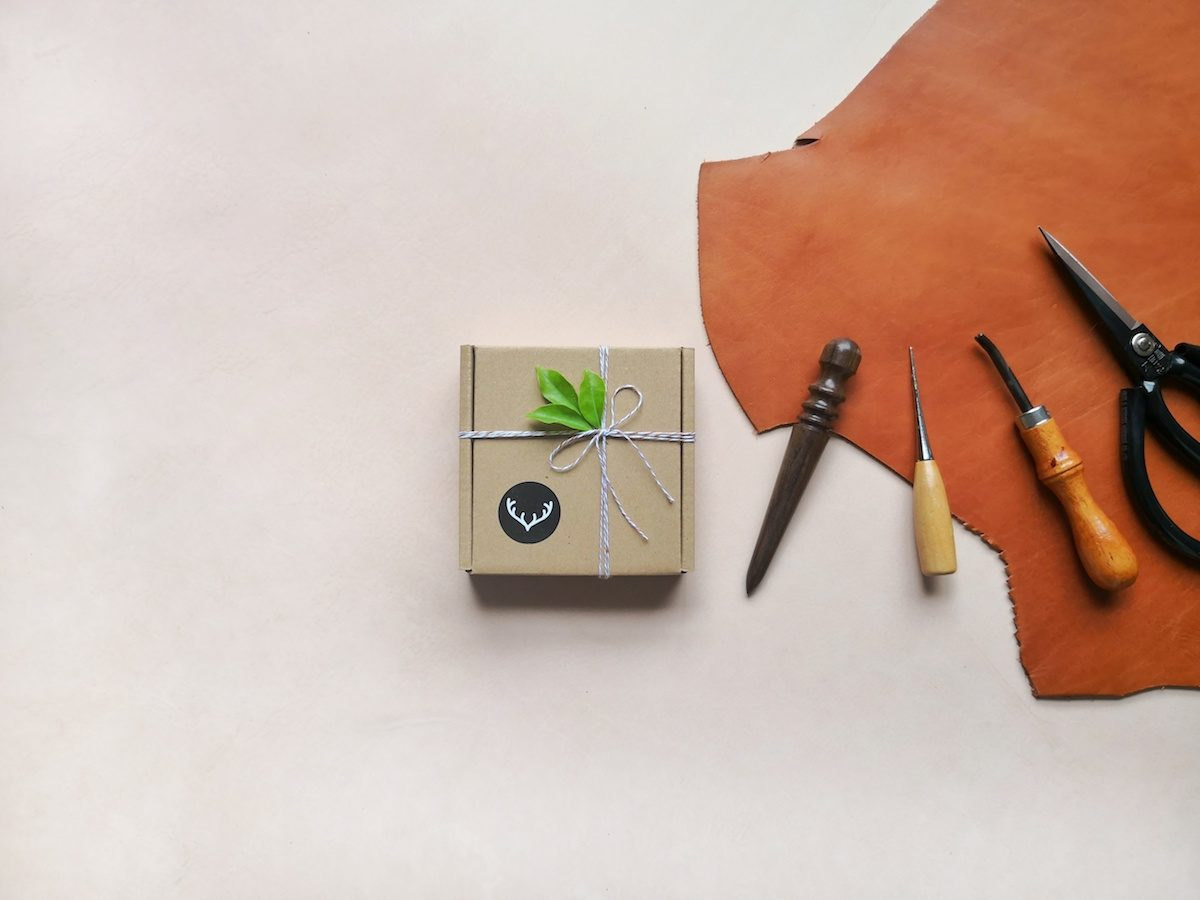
[
  {"x": 932, "y": 524},
  {"x": 810, "y": 434},
  {"x": 1106, "y": 555}
]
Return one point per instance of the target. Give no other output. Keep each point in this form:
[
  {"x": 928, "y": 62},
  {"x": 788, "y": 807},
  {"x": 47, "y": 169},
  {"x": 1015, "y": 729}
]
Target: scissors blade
[{"x": 1105, "y": 304}]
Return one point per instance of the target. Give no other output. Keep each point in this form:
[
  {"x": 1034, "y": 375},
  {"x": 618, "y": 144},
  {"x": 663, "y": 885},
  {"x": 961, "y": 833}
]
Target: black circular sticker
[{"x": 529, "y": 512}]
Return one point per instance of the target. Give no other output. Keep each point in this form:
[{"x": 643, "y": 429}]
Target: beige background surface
[{"x": 241, "y": 245}]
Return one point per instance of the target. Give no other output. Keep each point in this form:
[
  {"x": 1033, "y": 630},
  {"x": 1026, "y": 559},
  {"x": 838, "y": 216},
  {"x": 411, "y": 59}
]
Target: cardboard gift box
[{"x": 533, "y": 497}]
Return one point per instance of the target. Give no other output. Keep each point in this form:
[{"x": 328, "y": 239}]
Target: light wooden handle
[
  {"x": 931, "y": 521},
  {"x": 1103, "y": 550}
]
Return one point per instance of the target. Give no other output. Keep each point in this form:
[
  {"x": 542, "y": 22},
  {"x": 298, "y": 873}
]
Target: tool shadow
[
  {"x": 569, "y": 592},
  {"x": 934, "y": 586}
]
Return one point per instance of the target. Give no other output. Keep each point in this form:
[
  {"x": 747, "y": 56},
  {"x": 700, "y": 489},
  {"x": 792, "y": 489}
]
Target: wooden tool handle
[
  {"x": 1102, "y": 549},
  {"x": 839, "y": 360},
  {"x": 931, "y": 521}
]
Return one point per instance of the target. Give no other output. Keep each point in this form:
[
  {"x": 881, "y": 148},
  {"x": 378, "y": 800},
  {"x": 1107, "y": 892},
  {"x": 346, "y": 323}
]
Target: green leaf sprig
[{"x": 582, "y": 411}]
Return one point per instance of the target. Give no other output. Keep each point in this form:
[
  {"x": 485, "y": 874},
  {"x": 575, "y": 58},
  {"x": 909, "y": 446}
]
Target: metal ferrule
[{"x": 1033, "y": 417}]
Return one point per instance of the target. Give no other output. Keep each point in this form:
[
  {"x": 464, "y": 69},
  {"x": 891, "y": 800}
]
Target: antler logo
[
  {"x": 511, "y": 505},
  {"x": 529, "y": 512}
]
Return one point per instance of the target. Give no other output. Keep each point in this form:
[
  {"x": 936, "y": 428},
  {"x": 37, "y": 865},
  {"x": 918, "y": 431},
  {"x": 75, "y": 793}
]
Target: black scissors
[{"x": 1150, "y": 364}]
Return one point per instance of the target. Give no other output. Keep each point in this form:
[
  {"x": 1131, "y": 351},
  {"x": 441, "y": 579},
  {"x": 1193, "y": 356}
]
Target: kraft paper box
[{"x": 518, "y": 516}]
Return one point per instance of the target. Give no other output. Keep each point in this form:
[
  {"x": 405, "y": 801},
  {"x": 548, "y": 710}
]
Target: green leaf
[
  {"x": 556, "y": 389},
  {"x": 557, "y": 414},
  {"x": 591, "y": 398}
]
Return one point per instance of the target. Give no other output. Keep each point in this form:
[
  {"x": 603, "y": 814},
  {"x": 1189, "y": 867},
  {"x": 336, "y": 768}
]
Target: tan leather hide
[{"x": 912, "y": 219}]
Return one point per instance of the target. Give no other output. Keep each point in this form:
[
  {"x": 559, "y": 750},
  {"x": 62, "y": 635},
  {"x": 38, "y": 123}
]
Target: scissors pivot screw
[{"x": 1143, "y": 344}]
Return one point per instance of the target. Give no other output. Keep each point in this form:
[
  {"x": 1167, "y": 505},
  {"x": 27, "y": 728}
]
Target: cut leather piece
[{"x": 912, "y": 219}]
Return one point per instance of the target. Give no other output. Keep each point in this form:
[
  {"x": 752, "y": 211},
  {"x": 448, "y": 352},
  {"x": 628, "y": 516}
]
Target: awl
[{"x": 932, "y": 525}]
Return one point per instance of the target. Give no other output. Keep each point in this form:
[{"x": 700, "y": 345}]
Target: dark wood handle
[{"x": 839, "y": 360}]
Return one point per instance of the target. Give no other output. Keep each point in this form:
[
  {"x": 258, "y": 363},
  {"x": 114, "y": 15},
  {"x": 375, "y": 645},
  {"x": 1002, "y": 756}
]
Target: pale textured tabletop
[{"x": 242, "y": 243}]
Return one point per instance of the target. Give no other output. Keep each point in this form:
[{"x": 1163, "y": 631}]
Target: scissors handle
[
  {"x": 1183, "y": 367},
  {"x": 1136, "y": 404},
  {"x": 1189, "y": 370}
]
